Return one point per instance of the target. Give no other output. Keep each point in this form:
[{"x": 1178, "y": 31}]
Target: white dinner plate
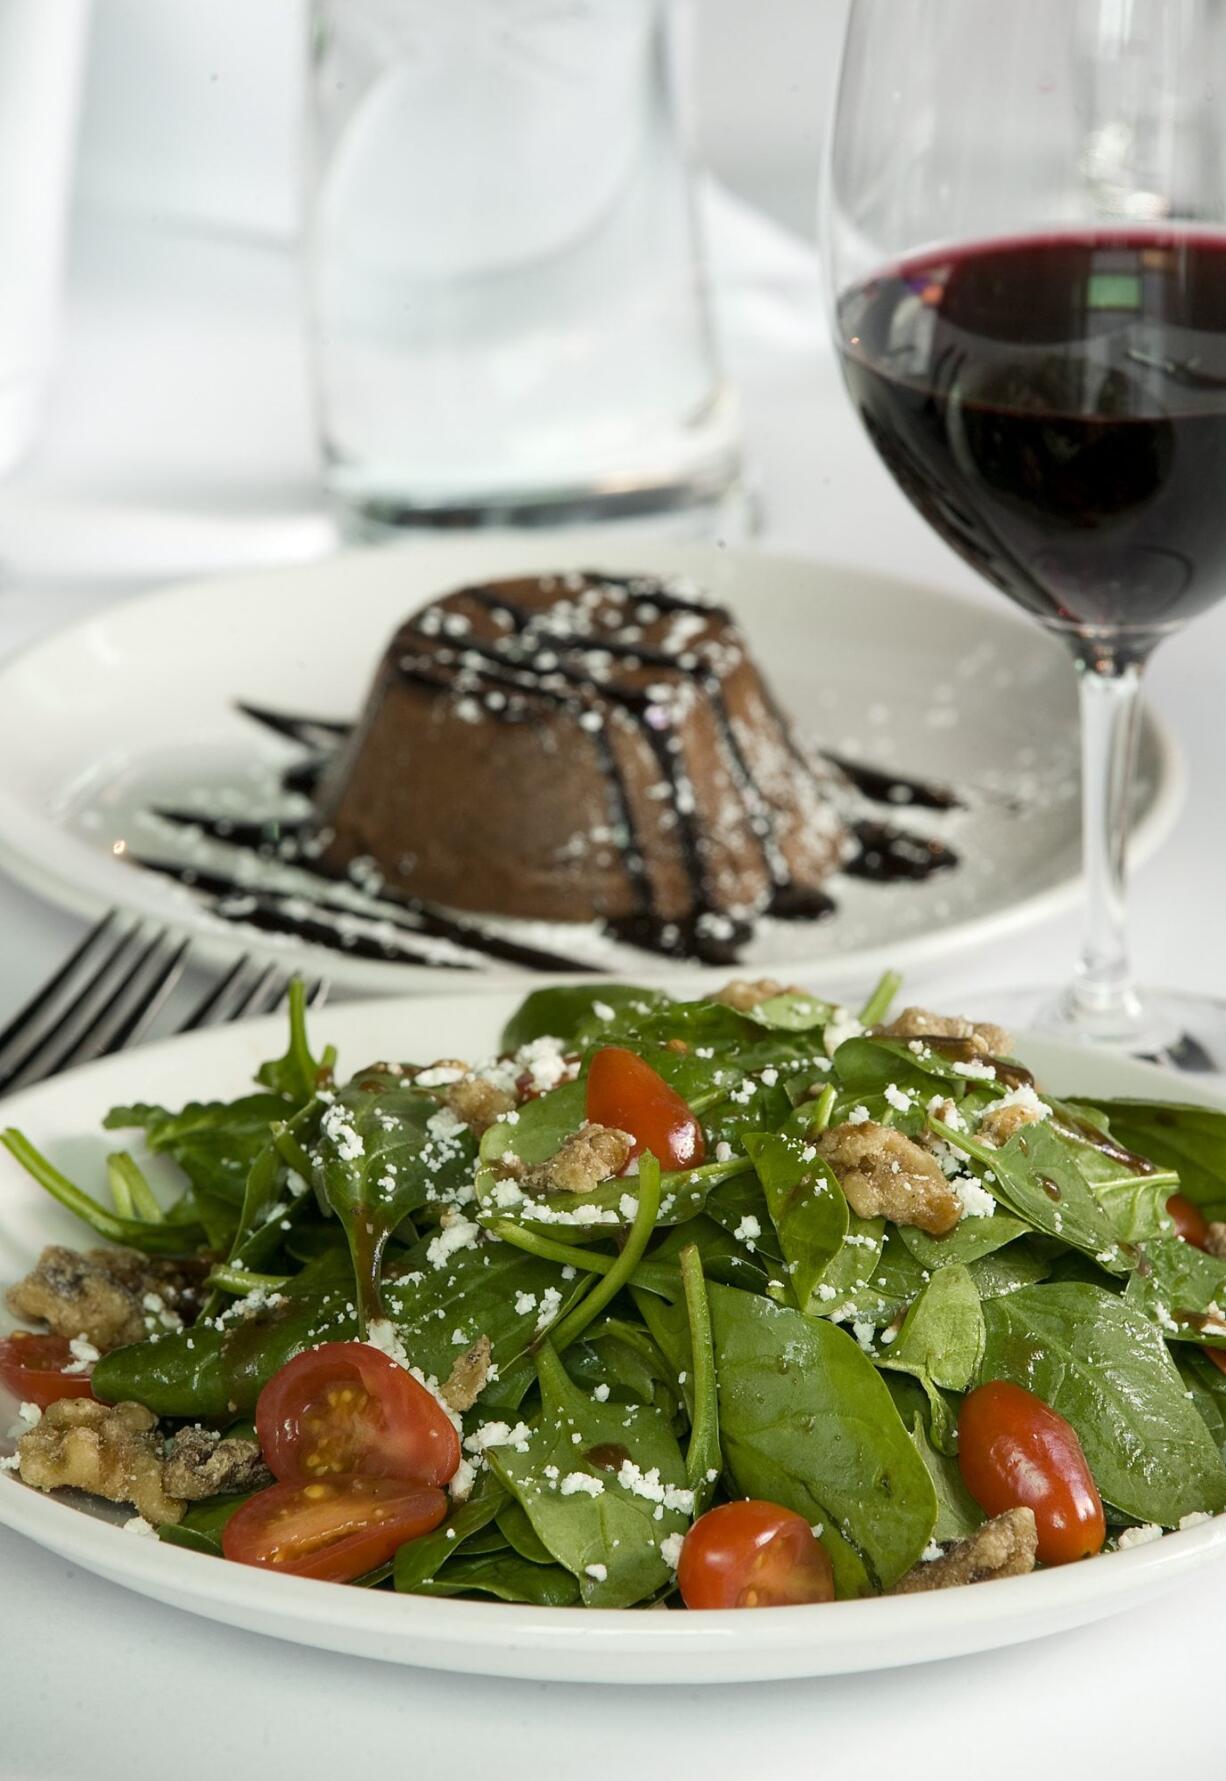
[
  {"x": 547, "y": 1644},
  {"x": 138, "y": 708}
]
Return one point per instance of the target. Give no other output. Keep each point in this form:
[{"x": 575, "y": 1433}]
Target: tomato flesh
[
  {"x": 753, "y": 1554},
  {"x": 625, "y": 1092},
  {"x": 1190, "y": 1222},
  {"x": 1016, "y": 1452},
  {"x": 1217, "y": 1356},
  {"x": 32, "y": 1367},
  {"x": 334, "y": 1529},
  {"x": 346, "y": 1407}
]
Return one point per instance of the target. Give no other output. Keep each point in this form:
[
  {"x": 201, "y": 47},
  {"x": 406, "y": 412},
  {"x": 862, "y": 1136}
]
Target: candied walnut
[
  {"x": 999, "y": 1123},
  {"x": 1003, "y": 1547},
  {"x": 588, "y": 1157},
  {"x": 1215, "y": 1240},
  {"x": 110, "y": 1450},
  {"x": 919, "y": 1023},
  {"x": 467, "y": 1378},
  {"x": 102, "y": 1295},
  {"x": 745, "y": 995},
  {"x": 480, "y": 1104},
  {"x": 887, "y": 1175},
  {"x": 200, "y": 1463}
]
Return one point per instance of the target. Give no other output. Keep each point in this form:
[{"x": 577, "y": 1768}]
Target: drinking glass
[
  {"x": 510, "y": 315},
  {"x": 1035, "y": 341}
]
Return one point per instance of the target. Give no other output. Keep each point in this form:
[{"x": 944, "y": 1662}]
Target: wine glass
[{"x": 1026, "y": 264}]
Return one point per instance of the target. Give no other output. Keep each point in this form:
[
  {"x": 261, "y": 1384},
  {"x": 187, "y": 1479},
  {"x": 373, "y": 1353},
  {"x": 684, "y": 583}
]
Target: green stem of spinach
[
  {"x": 878, "y": 1004},
  {"x": 822, "y": 1110},
  {"x": 291, "y": 1152},
  {"x": 573, "y": 1324},
  {"x": 569, "y": 1255},
  {"x": 703, "y": 1454},
  {"x": 128, "y": 1184},
  {"x": 136, "y": 1233},
  {"x": 224, "y": 1278}
]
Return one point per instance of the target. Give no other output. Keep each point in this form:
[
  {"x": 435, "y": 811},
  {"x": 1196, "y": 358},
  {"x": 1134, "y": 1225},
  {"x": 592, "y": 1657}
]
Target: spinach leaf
[
  {"x": 568, "y": 1012},
  {"x": 1190, "y": 1140},
  {"x": 958, "y": 1514},
  {"x": 152, "y": 1236},
  {"x": 806, "y": 1421},
  {"x": 1182, "y": 1290},
  {"x": 520, "y": 1535},
  {"x": 376, "y": 1159},
  {"x": 969, "y": 1241},
  {"x": 847, "y": 1284},
  {"x": 1020, "y": 1264},
  {"x": 203, "y": 1524},
  {"x": 610, "y": 1541},
  {"x": 421, "y": 1560},
  {"x": 1099, "y": 1362},
  {"x": 213, "y": 1142},
  {"x": 942, "y": 1336},
  {"x": 806, "y": 1205},
  {"x": 1038, "y": 1177},
  {"x": 1206, "y": 1388},
  {"x": 508, "y": 1577},
  {"x": 298, "y": 1076}
]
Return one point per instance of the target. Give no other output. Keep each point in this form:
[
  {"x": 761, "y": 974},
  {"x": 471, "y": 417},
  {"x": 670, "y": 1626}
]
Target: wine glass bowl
[{"x": 1041, "y": 363}]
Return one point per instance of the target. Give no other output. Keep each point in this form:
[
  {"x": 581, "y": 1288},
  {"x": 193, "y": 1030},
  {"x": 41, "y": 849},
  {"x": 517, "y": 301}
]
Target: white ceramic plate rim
[
  {"x": 554, "y": 1644},
  {"x": 46, "y": 859}
]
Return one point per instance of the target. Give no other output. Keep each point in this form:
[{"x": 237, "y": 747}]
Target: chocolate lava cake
[{"x": 580, "y": 747}]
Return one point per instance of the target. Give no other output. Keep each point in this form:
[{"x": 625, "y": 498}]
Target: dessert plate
[
  {"x": 490, "y": 1638},
  {"x": 138, "y": 710}
]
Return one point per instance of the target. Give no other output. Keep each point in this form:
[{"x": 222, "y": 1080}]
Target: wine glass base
[{"x": 1175, "y": 1028}]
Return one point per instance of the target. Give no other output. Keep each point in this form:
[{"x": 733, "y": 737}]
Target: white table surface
[{"x": 181, "y": 442}]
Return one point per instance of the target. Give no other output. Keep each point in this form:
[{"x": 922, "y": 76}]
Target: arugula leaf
[
  {"x": 376, "y": 1160},
  {"x": 160, "y": 1236},
  {"x": 806, "y": 1205},
  {"x": 806, "y": 1421},
  {"x": 213, "y": 1142},
  {"x": 1098, "y": 1361},
  {"x": 609, "y": 1542}
]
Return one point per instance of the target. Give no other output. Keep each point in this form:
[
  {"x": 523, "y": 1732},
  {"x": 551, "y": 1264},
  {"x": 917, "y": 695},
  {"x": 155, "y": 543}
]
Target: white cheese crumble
[
  {"x": 138, "y": 1525},
  {"x": 84, "y": 1354},
  {"x": 974, "y": 1199},
  {"x": 1139, "y": 1536},
  {"x": 460, "y": 1233},
  {"x": 842, "y": 1025},
  {"x": 600, "y": 1393},
  {"x": 498, "y": 1434},
  {"x": 859, "y": 1115},
  {"x": 576, "y": 1483},
  {"x": 748, "y": 1231},
  {"x": 670, "y": 1549},
  {"x": 598, "y": 1573},
  {"x": 524, "y": 1302},
  {"x": 551, "y": 1304},
  {"x": 898, "y": 1098},
  {"x": 1194, "y": 1519}
]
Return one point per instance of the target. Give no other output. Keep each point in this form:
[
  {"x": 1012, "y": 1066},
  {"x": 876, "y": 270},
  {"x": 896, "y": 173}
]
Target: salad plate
[
  {"x": 146, "y": 709},
  {"x": 542, "y": 1643}
]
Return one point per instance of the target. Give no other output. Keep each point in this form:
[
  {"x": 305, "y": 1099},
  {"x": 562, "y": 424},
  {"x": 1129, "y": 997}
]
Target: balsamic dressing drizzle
[{"x": 533, "y": 663}]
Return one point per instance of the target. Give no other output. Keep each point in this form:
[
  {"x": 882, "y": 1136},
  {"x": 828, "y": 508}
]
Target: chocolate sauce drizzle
[{"x": 530, "y": 663}]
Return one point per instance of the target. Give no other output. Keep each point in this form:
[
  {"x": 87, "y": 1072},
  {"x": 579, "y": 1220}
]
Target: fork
[{"x": 107, "y": 993}]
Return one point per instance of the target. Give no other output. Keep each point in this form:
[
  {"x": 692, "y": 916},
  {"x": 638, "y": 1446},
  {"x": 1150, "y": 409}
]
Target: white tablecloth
[{"x": 181, "y": 443}]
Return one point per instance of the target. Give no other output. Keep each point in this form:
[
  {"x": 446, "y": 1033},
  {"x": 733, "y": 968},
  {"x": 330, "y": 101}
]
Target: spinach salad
[{"x": 514, "y": 1329}]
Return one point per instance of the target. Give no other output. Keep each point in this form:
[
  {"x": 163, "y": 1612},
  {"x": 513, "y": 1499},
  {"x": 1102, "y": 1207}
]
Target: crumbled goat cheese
[
  {"x": 598, "y": 1573},
  {"x": 576, "y": 1483},
  {"x": 898, "y": 1098},
  {"x": 1139, "y": 1536},
  {"x": 670, "y": 1549},
  {"x": 748, "y": 1231},
  {"x": 975, "y": 1200}
]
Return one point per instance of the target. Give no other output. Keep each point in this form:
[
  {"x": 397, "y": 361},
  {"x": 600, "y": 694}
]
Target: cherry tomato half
[
  {"x": 624, "y": 1092},
  {"x": 753, "y": 1555},
  {"x": 32, "y": 1367},
  {"x": 1190, "y": 1222},
  {"x": 335, "y": 1529},
  {"x": 1015, "y": 1452},
  {"x": 347, "y": 1407},
  {"x": 1217, "y": 1356}
]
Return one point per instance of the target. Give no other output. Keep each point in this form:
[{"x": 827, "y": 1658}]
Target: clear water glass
[{"x": 511, "y": 322}]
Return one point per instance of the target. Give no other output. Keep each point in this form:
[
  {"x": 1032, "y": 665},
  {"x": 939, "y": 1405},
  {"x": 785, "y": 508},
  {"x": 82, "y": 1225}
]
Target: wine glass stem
[{"x": 1102, "y": 1002}]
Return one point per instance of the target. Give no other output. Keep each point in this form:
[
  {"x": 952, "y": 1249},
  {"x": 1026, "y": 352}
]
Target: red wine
[{"x": 1056, "y": 409}]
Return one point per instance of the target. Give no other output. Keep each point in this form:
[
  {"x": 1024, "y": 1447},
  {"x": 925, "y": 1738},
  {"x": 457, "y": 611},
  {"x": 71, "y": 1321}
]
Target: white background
[{"x": 180, "y": 437}]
